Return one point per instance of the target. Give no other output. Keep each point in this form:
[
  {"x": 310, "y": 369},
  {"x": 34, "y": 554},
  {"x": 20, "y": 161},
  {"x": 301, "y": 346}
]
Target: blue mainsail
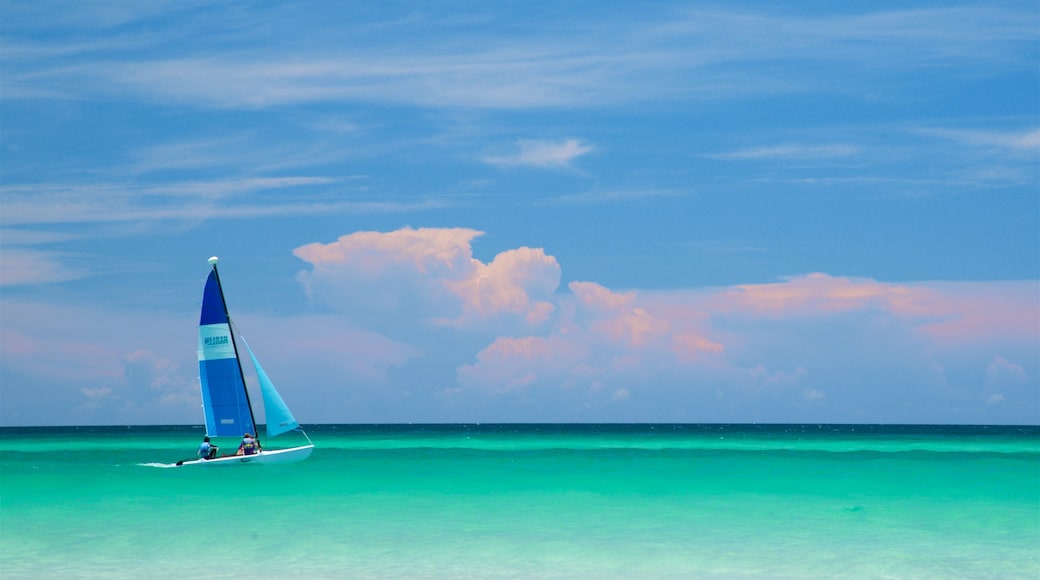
[
  {"x": 223, "y": 389},
  {"x": 225, "y": 400},
  {"x": 279, "y": 418}
]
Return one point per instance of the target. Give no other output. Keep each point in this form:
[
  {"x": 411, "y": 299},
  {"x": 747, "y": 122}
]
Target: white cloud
[
  {"x": 96, "y": 393},
  {"x": 18, "y": 237},
  {"x": 23, "y": 266},
  {"x": 516, "y": 364},
  {"x": 191, "y": 201},
  {"x": 1001, "y": 372},
  {"x": 1027, "y": 141},
  {"x": 429, "y": 275},
  {"x": 84, "y": 360},
  {"x": 543, "y": 154},
  {"x": 610, "y": 196},
  {"x": 611, "y": 58},
  {"x": 790, "y": 152},
  {"x": 763, "y": 347},
  {"x": 813, "y": 395},
  {"x": 498, "y": 340}
]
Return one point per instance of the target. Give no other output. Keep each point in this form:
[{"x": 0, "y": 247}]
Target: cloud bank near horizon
[
  {"x": 414, "y": 327},
  {"x": 811, "y": 340}
]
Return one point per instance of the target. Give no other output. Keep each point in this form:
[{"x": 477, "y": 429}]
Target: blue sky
[{"x": 654, "y": 211}]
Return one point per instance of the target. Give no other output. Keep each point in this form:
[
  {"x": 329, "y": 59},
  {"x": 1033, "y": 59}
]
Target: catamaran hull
[{"x": 274, "y": 456}]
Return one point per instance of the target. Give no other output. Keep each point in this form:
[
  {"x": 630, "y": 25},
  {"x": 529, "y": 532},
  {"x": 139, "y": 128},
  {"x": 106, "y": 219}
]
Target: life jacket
[{"x": 249, "y": 446}]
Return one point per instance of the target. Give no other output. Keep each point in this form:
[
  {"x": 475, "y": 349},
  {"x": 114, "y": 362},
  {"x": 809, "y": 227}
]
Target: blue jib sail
[
  {"x": 279, "y": 418},
  {"x": 223, "y": 391}
]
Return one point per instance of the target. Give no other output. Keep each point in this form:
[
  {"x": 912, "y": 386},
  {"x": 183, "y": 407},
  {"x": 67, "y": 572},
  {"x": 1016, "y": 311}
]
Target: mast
[{"x": 234, "y": 346}]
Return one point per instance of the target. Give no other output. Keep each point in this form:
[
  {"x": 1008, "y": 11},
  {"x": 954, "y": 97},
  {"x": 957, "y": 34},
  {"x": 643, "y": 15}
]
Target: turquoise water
[{"x": 529, "y": 501}]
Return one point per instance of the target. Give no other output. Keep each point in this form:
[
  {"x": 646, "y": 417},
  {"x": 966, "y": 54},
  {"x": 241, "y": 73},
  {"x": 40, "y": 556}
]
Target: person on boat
[
  {"x": 207, "y": 450},
  {"x": 249, "y": 446}
]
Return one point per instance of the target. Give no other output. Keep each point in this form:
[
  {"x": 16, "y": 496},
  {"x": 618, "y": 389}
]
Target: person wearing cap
[
  {"x": 206, "y": 450},
  {"x": 249, "y": 446}
]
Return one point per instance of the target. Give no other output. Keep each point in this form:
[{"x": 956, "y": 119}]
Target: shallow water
[{"x": 489, "y": 501}]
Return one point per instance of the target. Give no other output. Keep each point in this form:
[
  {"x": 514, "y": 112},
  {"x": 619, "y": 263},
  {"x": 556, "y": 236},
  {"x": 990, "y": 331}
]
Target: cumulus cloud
[
  {"x": 604, "y": 343},
  {"x": 995, "y": 399},
  {"x": 1001, "y": 371},
  {"x": 420, "y": 329},
  {"x": 510, "y": 364},
  {"x": 814, "y": 342},
  {"x": 430, "y": 275}
]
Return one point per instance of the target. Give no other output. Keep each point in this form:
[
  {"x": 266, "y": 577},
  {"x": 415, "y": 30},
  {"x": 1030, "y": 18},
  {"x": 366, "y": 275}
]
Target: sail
[
  {"x": 279, "y": 418},
  {"x": 224, "y": 395}
]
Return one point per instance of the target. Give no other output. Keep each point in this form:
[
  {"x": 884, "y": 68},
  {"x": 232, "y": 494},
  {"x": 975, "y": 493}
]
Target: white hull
[{"x": 273, "y": 456}]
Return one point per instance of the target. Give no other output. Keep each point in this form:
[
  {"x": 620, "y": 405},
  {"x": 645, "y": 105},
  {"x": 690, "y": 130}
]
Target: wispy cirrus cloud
[
  {"x": 1027, "y": 141},
  {"x": 789, "y": 152},
  {"x": 673, "y": 54},
  {"x": 541, "y": 154},
  {"x": 21, "y": 266},
  {"x": 977, "y": 159},
  {"x": 610, "y": 196},
  {"x": 186, "y": 201}
]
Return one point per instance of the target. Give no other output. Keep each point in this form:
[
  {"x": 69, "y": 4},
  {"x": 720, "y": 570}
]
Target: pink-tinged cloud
[
  {"x": 593, "y": 296},
  {"x": 635, "y": 328},
  {"x": 816, "y": 342},
  {"x": 80, "y": 365},
  {"x": 633, "y": 320},
  {"x": 20, "y": 266},
  {"x": 432, "y": 251},
  {"x": 430, "y": 274},
  {"x": 55, "y": 358},
  {"x": 945, "y": 311},
  {"x": 970, "y": 312},
  {"x": 444, "y": 331},
  {"x": 818, "y": 293},
  {"x": 608, "y": 344},
  {"x": 353, "y": 355},
  {"x": 520, "y": 282},
  {"x": 690, "y": 347},
  {"x": 512, "y": 364}
]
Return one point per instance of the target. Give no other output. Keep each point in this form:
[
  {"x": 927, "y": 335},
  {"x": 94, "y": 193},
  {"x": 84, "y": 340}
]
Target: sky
[{"x": 809, "y": 212}]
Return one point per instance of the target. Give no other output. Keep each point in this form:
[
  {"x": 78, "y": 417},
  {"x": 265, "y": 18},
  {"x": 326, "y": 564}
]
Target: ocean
[{"x": 528, "y": 501}]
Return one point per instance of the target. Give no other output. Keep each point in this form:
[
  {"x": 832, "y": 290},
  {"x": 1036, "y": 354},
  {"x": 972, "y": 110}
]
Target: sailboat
[{"x": 225, "y": 398}]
